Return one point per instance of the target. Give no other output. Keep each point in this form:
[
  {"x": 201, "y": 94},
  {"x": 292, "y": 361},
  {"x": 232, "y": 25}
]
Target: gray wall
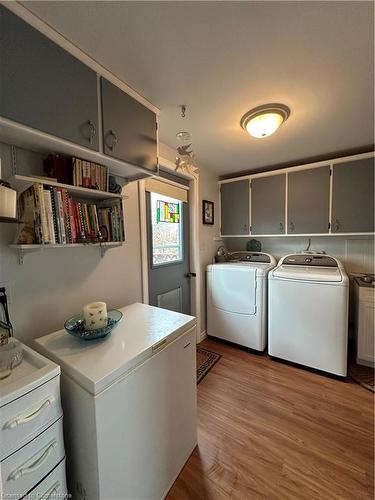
[{"x": 208, "y": 190}]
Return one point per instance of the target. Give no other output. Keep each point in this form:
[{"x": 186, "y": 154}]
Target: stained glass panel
[{"x": 168, "y": 212}]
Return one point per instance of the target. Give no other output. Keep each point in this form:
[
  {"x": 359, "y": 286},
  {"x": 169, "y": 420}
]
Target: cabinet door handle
[
  {"x": 114, "y": 140},
  {"x": 27, "y": 469},
  {"x": 281, "y": 227},
  {"x": 336, "y": 226},
  {"x": 52, "y": 492},
  {"x": 22, "y": 419},
  {"x": 92, "y": 131},
  {"x": 291, "y": 225}
]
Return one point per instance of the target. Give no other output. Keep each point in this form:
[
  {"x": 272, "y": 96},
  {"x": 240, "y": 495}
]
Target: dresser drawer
[
  {"x": 52, "y": 487},
  {"x": 25, "y": 468},
  {"x": 26, "y": 417}
]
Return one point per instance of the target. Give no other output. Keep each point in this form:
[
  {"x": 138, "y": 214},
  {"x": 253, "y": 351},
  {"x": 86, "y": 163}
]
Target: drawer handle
[
  {"x": 22, "y": 419},
  {"x": 21, "y": 471},
  {"x": 52, "y": 491}
]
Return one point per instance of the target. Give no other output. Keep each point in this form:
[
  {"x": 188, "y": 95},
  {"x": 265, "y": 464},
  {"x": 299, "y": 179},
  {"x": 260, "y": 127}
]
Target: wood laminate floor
[{"x": 271, "y": 431}]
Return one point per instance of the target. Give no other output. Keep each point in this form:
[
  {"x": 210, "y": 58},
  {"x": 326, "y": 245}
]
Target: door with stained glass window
[{"x": 168, "y": 246}]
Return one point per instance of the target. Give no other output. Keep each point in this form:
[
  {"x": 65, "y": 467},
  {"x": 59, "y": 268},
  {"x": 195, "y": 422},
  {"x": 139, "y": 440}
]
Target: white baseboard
[{"x": 203, "y": 335}]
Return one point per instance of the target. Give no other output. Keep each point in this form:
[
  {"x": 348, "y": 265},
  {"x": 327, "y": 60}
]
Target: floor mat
[{"x": 205, "y": 361}]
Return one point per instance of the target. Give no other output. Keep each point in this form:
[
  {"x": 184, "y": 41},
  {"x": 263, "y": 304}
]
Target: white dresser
[
  {"x": 31, "y": 435},
  {"x": 129, "y": 404}
]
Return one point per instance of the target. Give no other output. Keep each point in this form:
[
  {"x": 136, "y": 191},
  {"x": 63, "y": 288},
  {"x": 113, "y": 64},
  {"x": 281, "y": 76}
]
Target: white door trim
[{"x": 194, "y": 241}]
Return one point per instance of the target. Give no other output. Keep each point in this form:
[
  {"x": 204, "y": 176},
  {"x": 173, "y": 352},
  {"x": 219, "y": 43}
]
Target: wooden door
[
  {"x": 268, "y": 205},
  {"x": 235, "y": 208},
  {"x": 44, "y": 87},
  {"x": 129, "y": 128},
  {"x": 308, "y": 201}
]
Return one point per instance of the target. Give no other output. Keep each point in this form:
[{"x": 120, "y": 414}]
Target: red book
[{"x": 73, "y": 227}]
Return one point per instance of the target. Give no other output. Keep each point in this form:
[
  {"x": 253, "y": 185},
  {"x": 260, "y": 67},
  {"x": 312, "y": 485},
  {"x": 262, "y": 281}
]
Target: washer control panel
[
  {"x": 310, "y": 260},
  {"x": 243, "y": 256}
]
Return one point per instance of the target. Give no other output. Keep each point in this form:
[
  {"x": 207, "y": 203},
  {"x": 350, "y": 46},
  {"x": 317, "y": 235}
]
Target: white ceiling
[{"x": 224, "y": 58}]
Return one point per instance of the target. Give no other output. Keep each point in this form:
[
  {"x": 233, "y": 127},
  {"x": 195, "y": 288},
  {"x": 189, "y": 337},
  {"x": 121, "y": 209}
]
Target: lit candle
[{"x": 95, "y": 315}]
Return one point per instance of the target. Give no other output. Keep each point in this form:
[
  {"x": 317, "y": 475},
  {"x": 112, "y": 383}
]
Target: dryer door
[{"x": 234, "y": 289}]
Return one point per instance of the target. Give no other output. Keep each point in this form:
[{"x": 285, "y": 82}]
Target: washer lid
[{"x": 308, "y": 273}]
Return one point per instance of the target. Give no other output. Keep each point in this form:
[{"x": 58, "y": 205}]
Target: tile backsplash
[{"x": 356, "y": 252}]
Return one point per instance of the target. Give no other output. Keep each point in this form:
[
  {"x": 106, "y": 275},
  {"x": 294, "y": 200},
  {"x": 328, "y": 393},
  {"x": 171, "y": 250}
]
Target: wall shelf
[
  {"x": 23, "y": 250},
  {"x": 21, "y": 182},
  {"x": 10, "y": 220}
]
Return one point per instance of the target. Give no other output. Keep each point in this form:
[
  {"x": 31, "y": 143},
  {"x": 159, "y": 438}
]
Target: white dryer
[
  {"x": 308, "y": 312},
  {"x": 237, "y": 299}
]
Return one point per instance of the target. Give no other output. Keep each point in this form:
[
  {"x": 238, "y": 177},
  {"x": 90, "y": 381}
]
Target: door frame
[{"x": 194, "y": 213}]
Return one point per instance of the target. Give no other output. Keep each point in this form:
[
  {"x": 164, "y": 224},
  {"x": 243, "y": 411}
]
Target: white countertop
[{"x": 96, "y": 364}]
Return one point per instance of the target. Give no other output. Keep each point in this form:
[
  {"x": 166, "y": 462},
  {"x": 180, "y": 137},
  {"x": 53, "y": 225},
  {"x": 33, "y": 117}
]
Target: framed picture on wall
[{"x": 208, "y": 212}]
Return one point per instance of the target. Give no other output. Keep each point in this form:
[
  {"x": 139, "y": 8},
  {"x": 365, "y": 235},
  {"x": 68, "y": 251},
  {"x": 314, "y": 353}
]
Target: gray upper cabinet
[
  {"x": 44, "y": 87},
  {"x": 308, "y": 201},
  {"x": 268, "y": 205},
  {"x": 353, "y": 197},
  {"x": 129, "y": 128},
  {"x": 235, "y": 208}
]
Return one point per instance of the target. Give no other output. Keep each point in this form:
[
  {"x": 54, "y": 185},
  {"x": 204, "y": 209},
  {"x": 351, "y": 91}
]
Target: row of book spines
[
  {"x": 66, "y": 221},
  {"x": 111, "y": 219},
  {"x": 90, "y": 175}
]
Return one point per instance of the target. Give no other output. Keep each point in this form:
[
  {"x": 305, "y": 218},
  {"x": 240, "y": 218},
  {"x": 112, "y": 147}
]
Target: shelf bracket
[
  {"x": 23, "y": 251},
  {"x": 13, "y": 152},
  {"x": 21, "y": 255}
]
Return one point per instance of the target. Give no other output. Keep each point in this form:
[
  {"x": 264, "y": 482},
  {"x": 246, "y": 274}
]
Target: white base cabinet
[
  {"x": 364, "y": 324},
  {"x": 32, "y": 450},
  {"x": 129, "y": 404}
]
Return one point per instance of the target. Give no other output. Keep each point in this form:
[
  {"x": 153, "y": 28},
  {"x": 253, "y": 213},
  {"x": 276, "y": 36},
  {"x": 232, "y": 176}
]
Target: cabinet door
[
  {"x": 353, "y": 197},
  {"x": 235, "y": 208},
  {"x": 44, "y": 87},
  {"x": 308, "y": 201},
  {"x": 129, "y": 128},
  {"x": 268, "y": 205}
]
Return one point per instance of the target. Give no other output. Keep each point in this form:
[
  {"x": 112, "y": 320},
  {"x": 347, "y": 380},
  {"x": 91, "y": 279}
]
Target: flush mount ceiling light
[{"x": 264, "y": 120}]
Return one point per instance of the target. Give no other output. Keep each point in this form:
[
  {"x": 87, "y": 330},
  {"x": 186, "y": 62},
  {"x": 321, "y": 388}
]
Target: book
[
  {"x": 60, "y": 205},
  {"x": 49, "y": 214},
  {"x": 26, "y": 212},
  {"x": 66, "y": 210},
  {"x": 73, "y": 225},
  {"x": 45, "y": 238},
  {"x": 86, "y": 174}
]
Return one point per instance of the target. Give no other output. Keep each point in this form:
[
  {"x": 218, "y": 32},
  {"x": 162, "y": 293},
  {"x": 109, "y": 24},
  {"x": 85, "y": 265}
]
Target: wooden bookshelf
[
  {"x": 21, "y": 182},
  {"x": 26, "y": 249}
]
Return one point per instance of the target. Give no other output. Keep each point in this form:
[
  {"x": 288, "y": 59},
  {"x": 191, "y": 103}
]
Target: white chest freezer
[{"x": 129, "y": 404}]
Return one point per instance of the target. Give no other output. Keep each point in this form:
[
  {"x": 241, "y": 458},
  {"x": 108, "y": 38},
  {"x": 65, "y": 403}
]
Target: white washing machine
[
  {"x": 308, "y": 312},
  {"x": 237, "y": 299}
]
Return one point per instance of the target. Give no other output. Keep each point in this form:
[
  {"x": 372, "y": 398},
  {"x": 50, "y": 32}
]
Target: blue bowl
[{"x": 75, "y": 326}]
